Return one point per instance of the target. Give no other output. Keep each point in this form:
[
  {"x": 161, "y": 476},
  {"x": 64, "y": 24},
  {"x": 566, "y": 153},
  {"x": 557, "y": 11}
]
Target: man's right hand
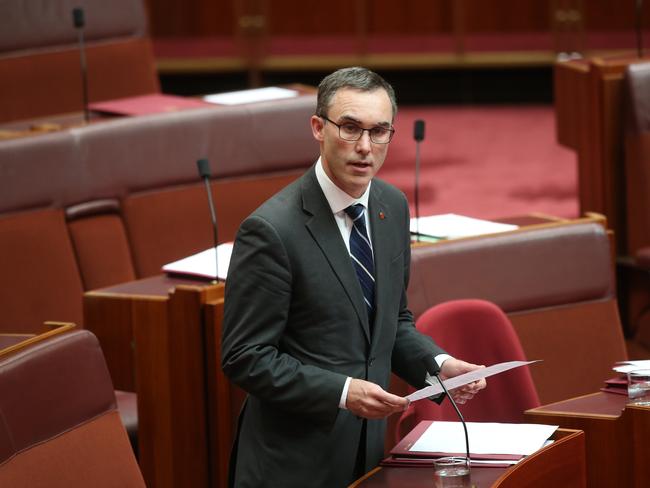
[{"x": 370, "y": 401}]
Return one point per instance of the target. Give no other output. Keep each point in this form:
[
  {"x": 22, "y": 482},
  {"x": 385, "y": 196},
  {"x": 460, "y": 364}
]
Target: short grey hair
[{"x": 357, "y": 78}]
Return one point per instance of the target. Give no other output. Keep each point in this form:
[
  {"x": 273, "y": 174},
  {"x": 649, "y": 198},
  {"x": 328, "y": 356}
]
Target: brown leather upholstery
[
  {"x": 131, "y": 196},
  {"x": 523, "y": 270},
  {"x": 40, "y": 279},
  {"x": 39, "y": 59},
  {"x": 60, "y": 426},
  {"x": 635, "y": 280},
  {"x": 637, "y": 157}
]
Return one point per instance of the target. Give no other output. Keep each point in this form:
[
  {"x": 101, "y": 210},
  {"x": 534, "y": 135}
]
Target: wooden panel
[
  {"x": 591, "y": 99},
  {"x": 169, "y": 18},
  {"x": 155, "y": 416},
  {"x": 608, "y": 15},
  {"x": 565, "y": 338},
  {"x": 506, "y": 15},
  {"x": 289, "y": 18},
  {"x": 617, "y": 436},
  {"x": 110, "y": 319},
  {"x": 390, "y": 17}
]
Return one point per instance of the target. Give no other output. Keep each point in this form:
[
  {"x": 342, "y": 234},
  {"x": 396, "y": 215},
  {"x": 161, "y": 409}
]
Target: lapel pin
[{"x": 382, "y": 216}]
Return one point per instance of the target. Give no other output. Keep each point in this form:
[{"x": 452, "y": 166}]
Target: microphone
[
  {"x": 460, "y": 416},
  {"x": 434, "y": 370},
  {"x": 204, "y": 173},
  {"x": 418, "y": 135},
  {"x": 79, "y": 22},
  {"x": 639, "y": 28}
]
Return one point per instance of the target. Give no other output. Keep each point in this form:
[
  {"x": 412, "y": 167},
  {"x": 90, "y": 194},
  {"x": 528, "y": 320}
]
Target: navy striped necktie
[{"x": 361, "y": 254}]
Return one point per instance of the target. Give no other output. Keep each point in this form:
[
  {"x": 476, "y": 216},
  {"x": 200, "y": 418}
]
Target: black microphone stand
[
  {"x": 460, "y": 416},
  {"x": 639, "y": 28},
  {"x": 418, "y": 134},
  {"x": 79, "y": 23},
  {"x": 204, "y": 172}
]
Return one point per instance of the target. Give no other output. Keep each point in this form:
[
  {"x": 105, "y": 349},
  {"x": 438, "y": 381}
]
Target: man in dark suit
[{"x": 315, "y": 311}]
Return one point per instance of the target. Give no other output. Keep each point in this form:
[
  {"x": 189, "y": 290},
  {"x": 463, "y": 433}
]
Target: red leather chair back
[{"x": 479, "y": 332}]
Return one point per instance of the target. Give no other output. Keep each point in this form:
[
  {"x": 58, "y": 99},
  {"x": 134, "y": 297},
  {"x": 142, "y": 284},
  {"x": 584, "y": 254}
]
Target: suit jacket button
[{"x": 370, "y": 361}]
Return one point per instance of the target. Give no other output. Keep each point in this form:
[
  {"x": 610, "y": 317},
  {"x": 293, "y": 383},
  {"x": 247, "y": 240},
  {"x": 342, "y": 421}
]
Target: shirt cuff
[
  {"x": 440, "y": 358},
  {"x": 344, "y": 393}
]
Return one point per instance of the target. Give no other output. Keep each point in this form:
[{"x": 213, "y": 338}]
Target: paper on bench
[
  {"x": 467, "y": 378},
  {"x": 484, "y": 438},
  {"x": 203, "y": 263},
  {"x": 627, "y": 366},
  {"x": 251, "y": 96},
  {"x": 452, "y": 226}
]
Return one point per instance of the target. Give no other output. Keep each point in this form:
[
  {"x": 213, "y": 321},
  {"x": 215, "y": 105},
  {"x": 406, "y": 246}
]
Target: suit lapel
[{"x": 322, "y": 226}]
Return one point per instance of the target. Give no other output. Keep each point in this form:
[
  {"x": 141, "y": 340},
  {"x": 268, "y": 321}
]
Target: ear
[{"x": 317, "y": 128}]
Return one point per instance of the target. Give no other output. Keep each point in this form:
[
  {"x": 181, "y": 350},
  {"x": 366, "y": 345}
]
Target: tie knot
[{"x": 355, "y": 211}]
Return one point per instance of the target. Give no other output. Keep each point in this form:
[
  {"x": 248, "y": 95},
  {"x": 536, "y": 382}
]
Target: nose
[{"x": 363, "y": 145}]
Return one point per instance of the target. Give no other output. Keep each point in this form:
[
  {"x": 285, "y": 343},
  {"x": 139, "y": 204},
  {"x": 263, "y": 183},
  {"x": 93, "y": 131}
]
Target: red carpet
[{"x": 484, "y": 162}]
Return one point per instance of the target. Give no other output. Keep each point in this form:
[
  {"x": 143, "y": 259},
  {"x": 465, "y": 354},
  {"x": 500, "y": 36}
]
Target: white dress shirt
[{"x": 338, "y": 201}]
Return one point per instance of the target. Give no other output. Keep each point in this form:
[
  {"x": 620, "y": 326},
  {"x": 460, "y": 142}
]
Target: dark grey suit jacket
[{"x": 295, "y": 327}]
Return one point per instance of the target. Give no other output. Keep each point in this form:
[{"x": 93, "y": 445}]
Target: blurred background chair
[
  {"x": 634, "y": 264},
  {"x": 59, "y": 425},
  {"x": 479, "y": 332}
]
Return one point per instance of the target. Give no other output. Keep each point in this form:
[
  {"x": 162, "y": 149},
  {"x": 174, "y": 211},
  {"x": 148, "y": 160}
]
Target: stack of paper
[
  {"x": 495, "y": 444},
  {"x": 251, "y": 96},
  {"x": 203, "y": 264},
  {"x": 628, "y": 366},
  {"x": 452, "y": 226}
]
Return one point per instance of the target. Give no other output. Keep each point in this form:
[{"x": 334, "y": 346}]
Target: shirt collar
[{"x": 337, "y": 198}]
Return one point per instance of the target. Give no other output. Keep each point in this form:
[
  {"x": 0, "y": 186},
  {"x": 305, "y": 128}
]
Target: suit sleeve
[
  {"x": 256, "y": 310},
  {"x": 410, "y": 345}
]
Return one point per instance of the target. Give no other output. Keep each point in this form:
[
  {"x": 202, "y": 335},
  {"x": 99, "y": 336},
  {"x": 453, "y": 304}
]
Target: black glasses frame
[{"x": 390, "y": 130}]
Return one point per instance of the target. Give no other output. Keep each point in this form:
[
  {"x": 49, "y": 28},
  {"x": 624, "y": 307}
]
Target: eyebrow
[{"x": 349, "y": 118}]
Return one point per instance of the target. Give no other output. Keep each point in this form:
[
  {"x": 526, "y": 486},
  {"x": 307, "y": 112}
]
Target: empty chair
[
  {"x": 479, "y": 332},
  {"x": 59, "y": 425},
  {"x": 634, "y": 267}
]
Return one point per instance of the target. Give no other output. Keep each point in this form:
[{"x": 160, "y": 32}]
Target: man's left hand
[{"x": 454, "y": 367}]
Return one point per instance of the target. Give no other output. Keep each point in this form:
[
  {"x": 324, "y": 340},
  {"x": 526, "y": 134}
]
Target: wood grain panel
[
  {"x": 192, "y": 18},
  {"x": 390, "y": 17},
  {"x": 289, "y": 18},
  {"x": 608, "y": 15},
  {"x": 506, "y": 15}
]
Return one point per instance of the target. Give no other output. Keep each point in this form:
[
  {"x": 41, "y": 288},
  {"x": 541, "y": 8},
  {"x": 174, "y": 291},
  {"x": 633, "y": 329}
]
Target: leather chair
[
  {"x": 476, "y": 331},
  {"x": 634, "y": 265},
  {"x": 59, "y": 422}
]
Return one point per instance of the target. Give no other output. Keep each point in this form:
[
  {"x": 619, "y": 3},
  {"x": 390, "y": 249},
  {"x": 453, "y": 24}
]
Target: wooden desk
[
  {"x": 589, "y": 114},
  {"x": 185, "y": 404},
  {"x": 561, "y": 464},
  {"x": 617, "y": 436}
]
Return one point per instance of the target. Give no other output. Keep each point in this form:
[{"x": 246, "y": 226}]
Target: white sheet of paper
[
  {"x": 627, "y": 366},
  {"x": 452, "y": 226},
  {"x": 250, "y": 96},
  {"x": 467, "y": 378},
  {"x": 203, "y": 263},
  {"x": 484, "y": 438}
]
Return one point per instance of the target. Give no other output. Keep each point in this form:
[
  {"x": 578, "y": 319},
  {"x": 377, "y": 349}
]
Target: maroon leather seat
[
  {"x": 60, "y": 426},
  {"x": 479, "y": 332},
  {"x": 635, "y": 269}
]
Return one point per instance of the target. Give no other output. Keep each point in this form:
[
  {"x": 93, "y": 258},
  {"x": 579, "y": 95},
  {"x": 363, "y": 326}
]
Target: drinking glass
[{"x": 451, "y": 472}]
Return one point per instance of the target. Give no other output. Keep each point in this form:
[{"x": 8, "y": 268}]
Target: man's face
[{"x": 351, "y": 165}]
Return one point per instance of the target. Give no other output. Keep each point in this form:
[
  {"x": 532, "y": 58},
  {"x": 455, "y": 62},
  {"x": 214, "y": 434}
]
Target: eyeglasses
[{"x": 352, "y": 132}]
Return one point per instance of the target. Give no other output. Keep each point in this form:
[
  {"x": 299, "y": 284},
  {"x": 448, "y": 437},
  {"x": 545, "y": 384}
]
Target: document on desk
[
  {"x": 452, "y": 226},
  {"x": 485, "y": 438},
  {"x": 465, "y": 379},
  {"x": 251, "y": 96},
  {"x": 203, "y": 264}
]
